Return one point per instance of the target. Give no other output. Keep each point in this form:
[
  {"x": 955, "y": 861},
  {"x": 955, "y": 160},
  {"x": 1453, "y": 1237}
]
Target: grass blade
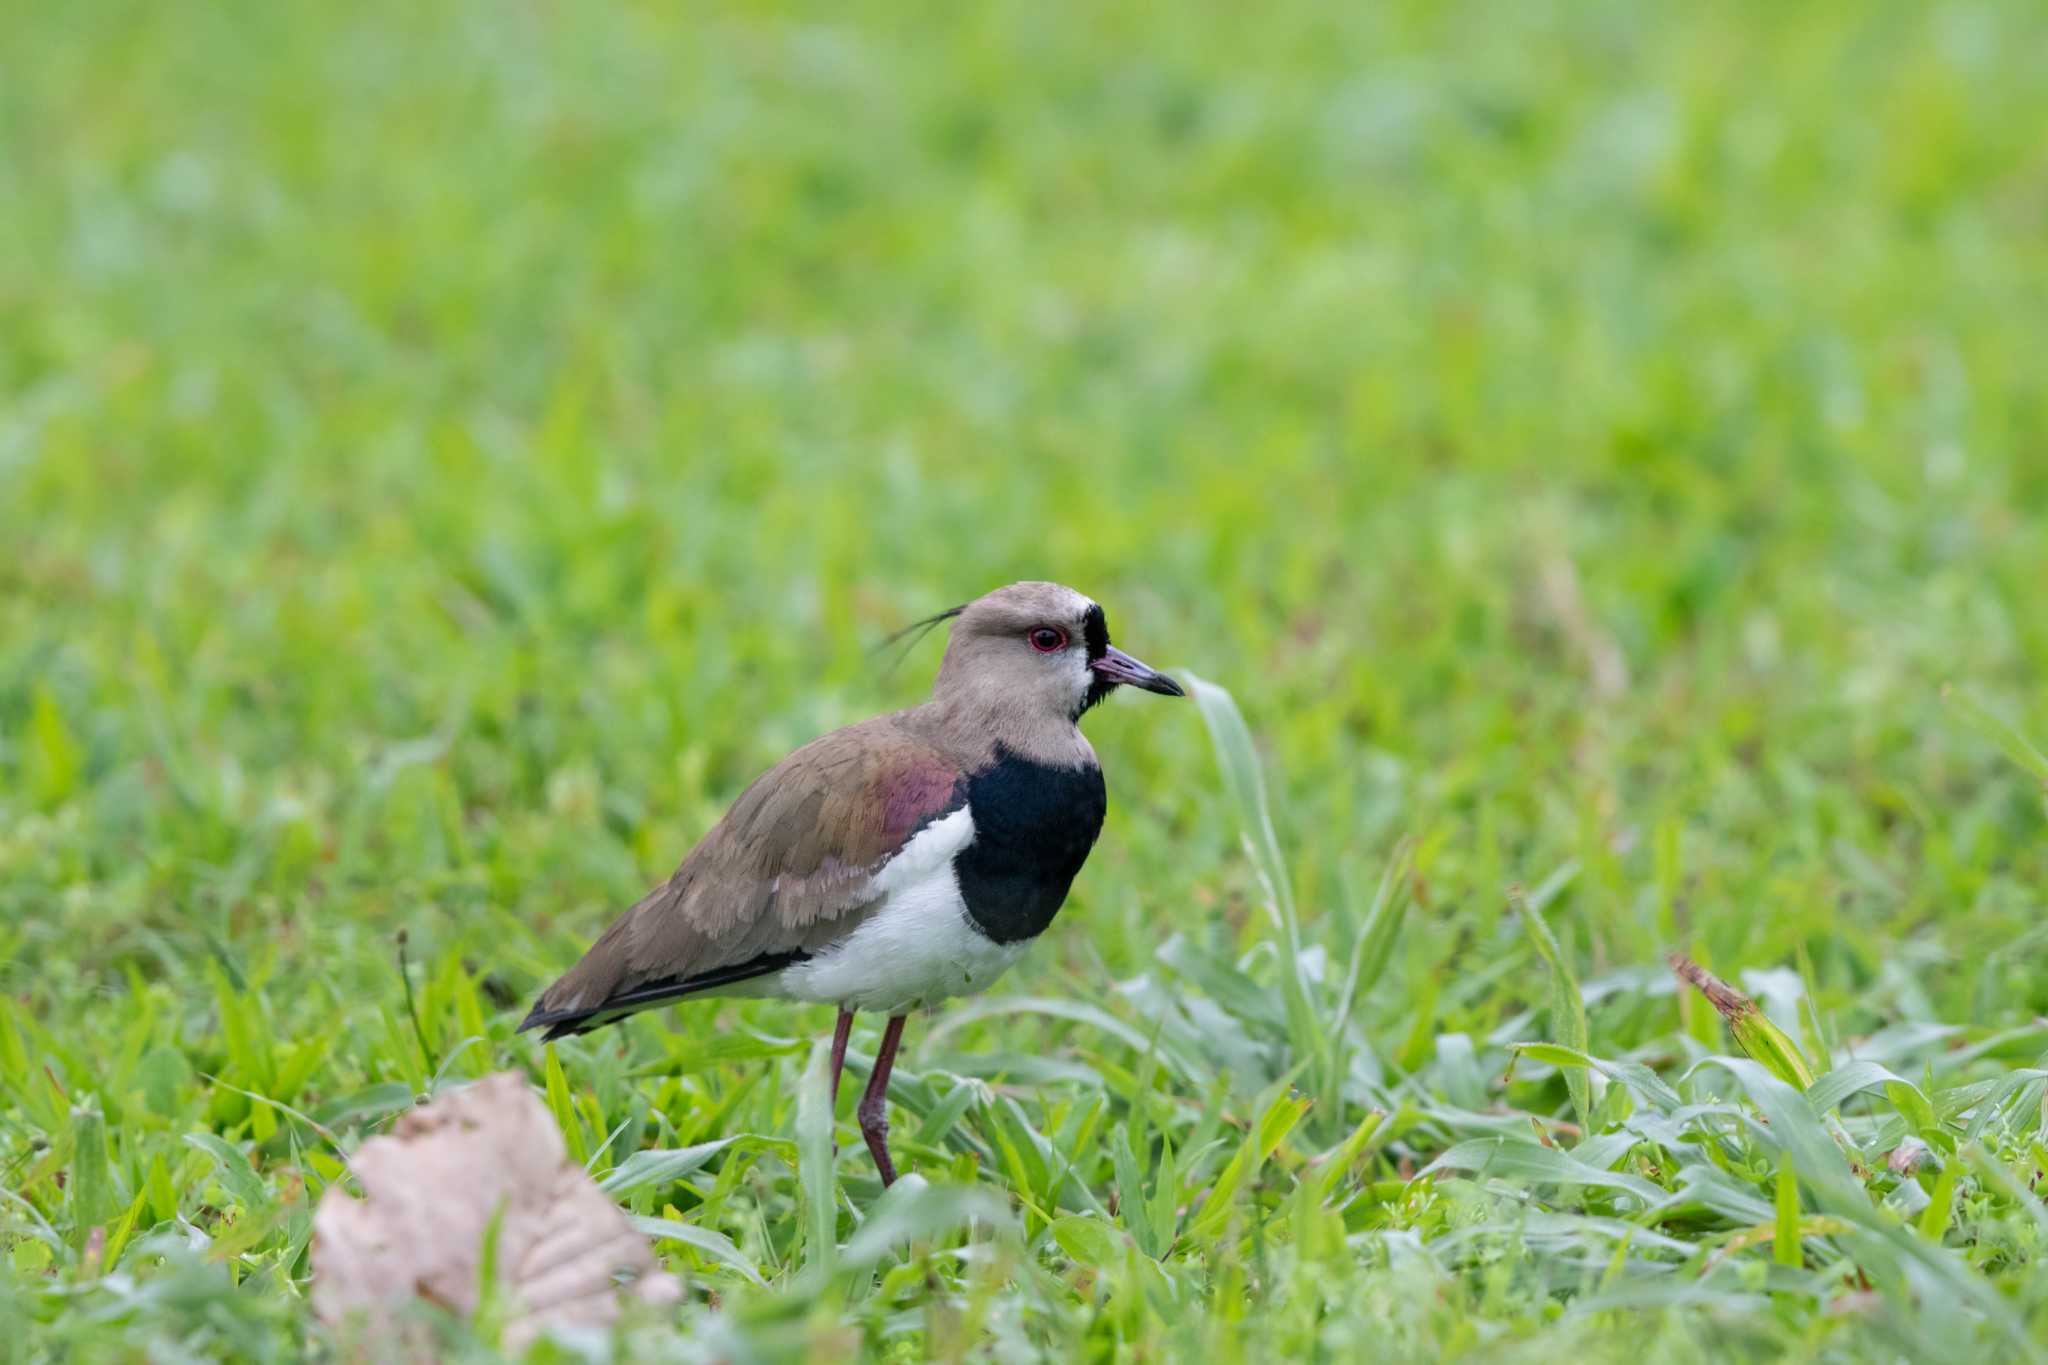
[
  {"x": 1785, "y": 1246},
  {"x": 92, "y": 1180},
  {"x": 1996, "y": 728},
  {"x": 715, "y": 1245},
  {"x": 817, "y": 1179},
  {"x": 1245, "y": 779},
  {"x": 1567, "y": 1005},
  {"x": 1754, "y": 1032},
  {"x": 1275, "y": 1123}
]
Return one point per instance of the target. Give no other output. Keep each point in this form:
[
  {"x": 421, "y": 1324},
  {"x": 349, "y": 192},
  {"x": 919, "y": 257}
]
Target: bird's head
[{"x": 1039, "y": 649}]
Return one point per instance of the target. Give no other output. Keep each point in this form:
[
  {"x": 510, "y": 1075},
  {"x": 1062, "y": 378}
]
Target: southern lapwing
[{"x": 895, "y": 863}]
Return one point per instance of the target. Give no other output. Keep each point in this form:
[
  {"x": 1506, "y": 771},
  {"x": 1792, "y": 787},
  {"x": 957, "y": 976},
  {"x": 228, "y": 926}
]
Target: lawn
[{"x": 447, "y": 451}]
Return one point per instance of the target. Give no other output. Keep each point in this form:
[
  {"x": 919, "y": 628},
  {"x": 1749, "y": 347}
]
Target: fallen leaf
[
  {"x": 1908, "y": 1157},
  {"x": 433, "y": 1189}
]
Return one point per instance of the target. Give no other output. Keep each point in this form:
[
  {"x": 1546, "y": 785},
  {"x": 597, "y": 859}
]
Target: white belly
[{"x": 919, "y": 946}]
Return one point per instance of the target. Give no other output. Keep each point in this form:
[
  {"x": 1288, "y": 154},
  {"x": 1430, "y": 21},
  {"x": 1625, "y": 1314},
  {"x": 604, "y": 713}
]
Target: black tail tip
[{"x": 558, "y": 1023}]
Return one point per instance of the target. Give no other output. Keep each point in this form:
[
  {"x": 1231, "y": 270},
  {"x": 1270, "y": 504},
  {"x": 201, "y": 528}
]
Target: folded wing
[{"x": 789, "y": 869}]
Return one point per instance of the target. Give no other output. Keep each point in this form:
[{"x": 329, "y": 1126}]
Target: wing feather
[{"x": 789, "y": 869}]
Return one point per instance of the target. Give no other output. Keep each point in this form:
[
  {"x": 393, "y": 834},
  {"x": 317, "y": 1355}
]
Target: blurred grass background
[{"x": 447, "y": 451}]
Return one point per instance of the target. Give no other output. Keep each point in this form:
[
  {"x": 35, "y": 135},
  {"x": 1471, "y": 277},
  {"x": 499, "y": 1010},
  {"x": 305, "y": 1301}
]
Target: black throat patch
[
  {"x": 1095, "y": 634},
  {"x": 1033, "y": 827}
]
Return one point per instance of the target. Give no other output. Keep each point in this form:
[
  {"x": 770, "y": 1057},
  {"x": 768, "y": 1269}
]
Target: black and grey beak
[{"x": 1114, "y": 667}]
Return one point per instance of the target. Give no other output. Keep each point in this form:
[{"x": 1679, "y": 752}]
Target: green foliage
[{"x": 446, "y": 452}]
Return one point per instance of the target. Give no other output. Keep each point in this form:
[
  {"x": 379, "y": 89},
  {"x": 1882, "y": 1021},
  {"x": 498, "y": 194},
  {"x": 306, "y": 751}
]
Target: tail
[
  {"x": 562, "y": 1012},
  {"x": 561, "y": 1023}
]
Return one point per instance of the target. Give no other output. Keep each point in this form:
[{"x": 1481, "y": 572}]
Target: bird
[{"x": 896, "y": 863}]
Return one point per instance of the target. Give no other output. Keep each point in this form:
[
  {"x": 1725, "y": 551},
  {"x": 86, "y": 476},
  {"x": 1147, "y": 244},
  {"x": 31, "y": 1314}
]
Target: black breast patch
[{"x": 1033, "y": 827}]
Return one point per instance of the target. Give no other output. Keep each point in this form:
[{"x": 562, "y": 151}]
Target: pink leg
[
  {"x": 874, "y": 1101},
  {"x": 839, "y": 1035}
]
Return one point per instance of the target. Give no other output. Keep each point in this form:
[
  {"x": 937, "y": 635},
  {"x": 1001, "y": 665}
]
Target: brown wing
[{"x": 788, "y": 870}]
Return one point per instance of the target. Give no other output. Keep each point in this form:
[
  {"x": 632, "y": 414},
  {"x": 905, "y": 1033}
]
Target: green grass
[{"x": 446, "y": 451}]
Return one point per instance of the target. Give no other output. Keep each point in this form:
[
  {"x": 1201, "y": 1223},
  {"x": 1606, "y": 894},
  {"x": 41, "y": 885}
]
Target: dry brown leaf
[{"x": 433, "y": 1187}]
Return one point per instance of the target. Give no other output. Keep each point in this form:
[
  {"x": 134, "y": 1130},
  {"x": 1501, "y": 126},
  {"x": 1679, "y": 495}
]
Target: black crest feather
[{"x": 923, "y": 628}]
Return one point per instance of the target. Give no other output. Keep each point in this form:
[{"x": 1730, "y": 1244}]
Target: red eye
[{"x": 1047, "y": 640}]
